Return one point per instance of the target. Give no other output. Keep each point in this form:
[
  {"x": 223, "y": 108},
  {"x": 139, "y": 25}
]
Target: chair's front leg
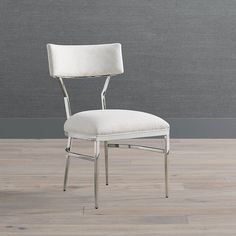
[
  {"x": 96, "y": 171},
  {"x": 166, "y": 164},
  {"x": 67, "y": 163},
  {"x": 106, "y": 160}
]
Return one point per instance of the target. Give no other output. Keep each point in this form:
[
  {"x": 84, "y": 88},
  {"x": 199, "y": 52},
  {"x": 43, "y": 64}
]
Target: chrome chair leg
[
  {"x": 166, "y": 165},
  {"x": 166, "y": 175},
  {"x": 67, "y": 163},
  {"x": 96, "y": 172},
  {"x": 106, "y": 160},
  {"x": 66, "y": 171}
]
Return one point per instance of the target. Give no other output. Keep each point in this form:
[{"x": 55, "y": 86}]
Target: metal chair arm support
[
  {"x": 66, "y": 98},
  {"x": 103, "y": 93}
]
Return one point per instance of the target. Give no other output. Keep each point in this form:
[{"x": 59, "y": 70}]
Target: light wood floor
[{"x": 202, "y": 190}]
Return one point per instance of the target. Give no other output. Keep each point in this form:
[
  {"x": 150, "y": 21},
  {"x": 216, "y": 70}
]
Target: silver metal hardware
[
  {"x": 69, "y": 143},
  {"x": 95, "y": 158},
  {"x": 103, "y": 93},
  {"x": 166, "y": 165},
  {"x": 133, "y": 146},
  {"x": 106, "y": 160},
  {"x": 96, "y": 172},
  {"x": 66, "y": 98}
]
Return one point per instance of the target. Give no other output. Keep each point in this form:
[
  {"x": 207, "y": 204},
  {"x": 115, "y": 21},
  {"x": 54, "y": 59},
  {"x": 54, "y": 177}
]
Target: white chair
[{"x": 104, "y": 125}]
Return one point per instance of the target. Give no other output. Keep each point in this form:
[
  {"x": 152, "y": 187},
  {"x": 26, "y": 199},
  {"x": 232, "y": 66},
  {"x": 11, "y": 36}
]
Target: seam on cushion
[
  {"x": 127, "y": 133},
  {"x": 118, "y": 134},
  {"x": 135, "y": 132}
]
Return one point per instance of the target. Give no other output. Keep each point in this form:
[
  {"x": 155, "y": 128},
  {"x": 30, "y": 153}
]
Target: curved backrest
[{"x": 68, "y": 61}]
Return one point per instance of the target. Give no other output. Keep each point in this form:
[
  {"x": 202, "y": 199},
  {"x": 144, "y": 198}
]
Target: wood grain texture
[{"x": 202, "y": 190}]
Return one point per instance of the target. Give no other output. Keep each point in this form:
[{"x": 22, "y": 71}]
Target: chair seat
[{"x": 111, "y": 124}]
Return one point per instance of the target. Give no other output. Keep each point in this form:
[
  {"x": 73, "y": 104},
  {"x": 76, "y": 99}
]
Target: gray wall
[{"x": 179, "y": 55}]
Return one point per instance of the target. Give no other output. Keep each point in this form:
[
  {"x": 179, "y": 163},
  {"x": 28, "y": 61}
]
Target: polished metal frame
[{"x": 107, "y": 145}]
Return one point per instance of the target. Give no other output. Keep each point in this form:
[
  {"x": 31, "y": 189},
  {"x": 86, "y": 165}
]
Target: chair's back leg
[
  {"x": 96, "y": 171},
  {"x": 67, "y": 163},
  {"x": 106, "y": 160},
  {"x": 166, "y": 175}
]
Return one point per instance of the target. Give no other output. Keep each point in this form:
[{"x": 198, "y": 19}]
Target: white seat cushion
[{"x": 113, "y": 124}]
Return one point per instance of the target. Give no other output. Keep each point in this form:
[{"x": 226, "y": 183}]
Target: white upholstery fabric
[
  {"x": 67, "y": 61},
  {"x": 114, "y": 124}
]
